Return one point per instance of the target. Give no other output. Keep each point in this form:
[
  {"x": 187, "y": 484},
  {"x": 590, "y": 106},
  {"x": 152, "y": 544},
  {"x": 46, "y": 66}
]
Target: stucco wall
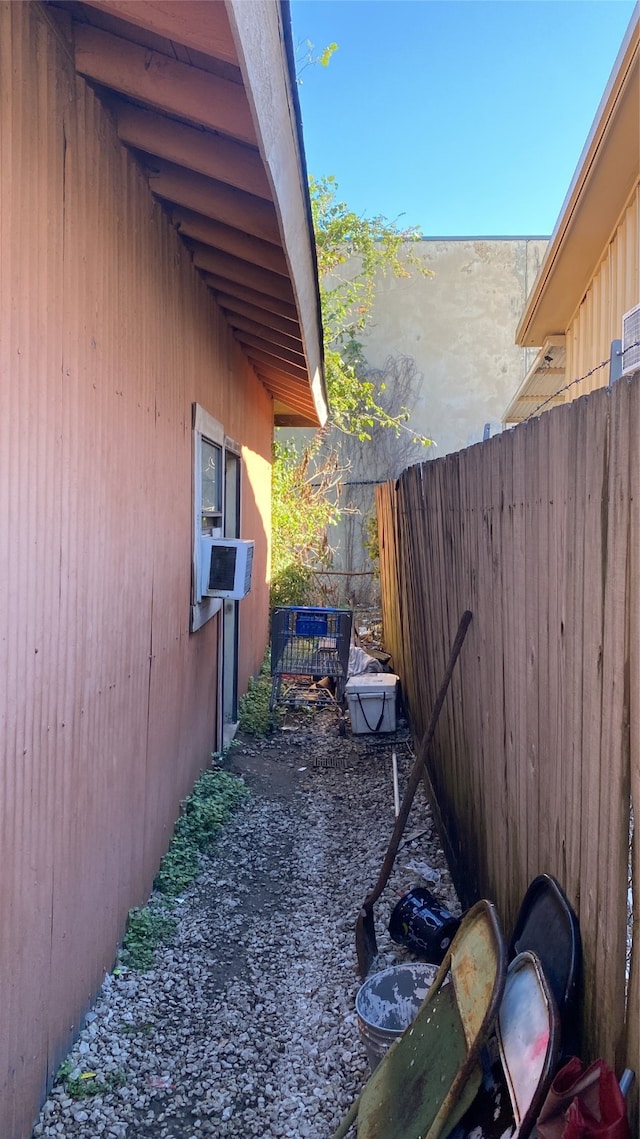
[{"x": 459, "y": 327}]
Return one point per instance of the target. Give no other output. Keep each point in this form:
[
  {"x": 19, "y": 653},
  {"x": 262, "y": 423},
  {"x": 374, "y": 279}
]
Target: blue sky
[{"x": 461, "y": 117}]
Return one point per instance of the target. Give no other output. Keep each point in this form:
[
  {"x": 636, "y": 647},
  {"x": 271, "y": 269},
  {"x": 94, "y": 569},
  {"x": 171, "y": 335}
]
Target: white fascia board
[{"x": 260, "y": 29}]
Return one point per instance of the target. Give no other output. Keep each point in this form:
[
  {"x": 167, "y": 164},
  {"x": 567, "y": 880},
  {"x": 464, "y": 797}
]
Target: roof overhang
[
  {"x": 203, "y": 93},
  {"x": 606, "y": 176},
  {"x": 540, "y": 389}
]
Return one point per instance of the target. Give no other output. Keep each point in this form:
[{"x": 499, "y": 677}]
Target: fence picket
[
  {"x": 538, "y": 533},
  {"x": 613, "y": 821},
  {"x": 632, "y": 1051}
]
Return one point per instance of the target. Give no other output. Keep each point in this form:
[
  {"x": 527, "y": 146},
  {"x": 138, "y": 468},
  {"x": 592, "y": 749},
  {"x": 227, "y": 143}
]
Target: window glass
[{"x": 210, "y": 486}]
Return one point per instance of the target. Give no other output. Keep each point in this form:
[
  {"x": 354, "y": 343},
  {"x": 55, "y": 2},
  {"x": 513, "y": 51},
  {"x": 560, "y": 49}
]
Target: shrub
[{"x": 254, "y": 714}]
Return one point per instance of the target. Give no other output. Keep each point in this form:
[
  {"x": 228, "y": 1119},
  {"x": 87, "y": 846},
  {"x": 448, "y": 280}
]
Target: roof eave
[
  {"x": 203, "y": 94},
  {"x": 284, "y": 161}
]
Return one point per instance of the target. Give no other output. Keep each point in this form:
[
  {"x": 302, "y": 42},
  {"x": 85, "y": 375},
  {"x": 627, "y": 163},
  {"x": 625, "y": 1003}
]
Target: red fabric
[{"x": 584, "y": 1104}]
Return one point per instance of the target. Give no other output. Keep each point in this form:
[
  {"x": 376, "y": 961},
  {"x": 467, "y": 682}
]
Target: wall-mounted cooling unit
[
  {"x": 227, "y": 564},
  {"x": 631, "y": 341}
]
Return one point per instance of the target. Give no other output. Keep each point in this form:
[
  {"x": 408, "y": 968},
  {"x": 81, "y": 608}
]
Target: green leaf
[
  {"x": 325, "y": 56},
  {"x": 369, "y": 247}
]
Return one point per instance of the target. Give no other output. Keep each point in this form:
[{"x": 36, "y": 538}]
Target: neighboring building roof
[
  {"x": 541, "y": 388},
  {"x": 204, "y": 94},
  {"x": 608, "y": 171}
]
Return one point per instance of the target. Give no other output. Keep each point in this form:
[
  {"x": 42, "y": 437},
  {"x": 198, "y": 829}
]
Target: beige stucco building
[
  {"x": 459, "y": 327},
  {"x": 456, "y": 331}
]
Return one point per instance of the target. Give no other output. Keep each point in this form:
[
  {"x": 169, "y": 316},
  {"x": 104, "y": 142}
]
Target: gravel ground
[{"x": 246, "y": 1024}]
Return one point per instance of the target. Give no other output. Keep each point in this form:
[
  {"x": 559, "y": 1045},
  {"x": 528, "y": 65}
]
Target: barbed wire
[
  {"x": 566, "y": 387},
  {"x": 572, "y": 383}
]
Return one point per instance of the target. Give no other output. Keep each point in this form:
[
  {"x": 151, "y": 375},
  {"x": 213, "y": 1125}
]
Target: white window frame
[{"x": 206, "y": 428}]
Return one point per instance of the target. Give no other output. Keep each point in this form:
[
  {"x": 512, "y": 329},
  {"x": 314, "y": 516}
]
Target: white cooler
[{"x": 372, "y": 702}]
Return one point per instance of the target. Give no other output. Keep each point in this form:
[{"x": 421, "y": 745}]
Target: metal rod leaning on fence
[{"x": 366, "y": 946}]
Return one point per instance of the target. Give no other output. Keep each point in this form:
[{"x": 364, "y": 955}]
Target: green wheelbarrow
[{"x": 431, "y": 1074}]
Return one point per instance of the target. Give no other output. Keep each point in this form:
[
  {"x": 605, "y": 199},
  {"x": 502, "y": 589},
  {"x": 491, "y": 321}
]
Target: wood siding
[
  {"x": 614, "y": 289},
  {"x": 107, "y": 703},
  {"x": 537, "y": 532}
]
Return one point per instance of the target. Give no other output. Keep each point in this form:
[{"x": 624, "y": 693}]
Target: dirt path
[{"x": 246, "y": 1024}]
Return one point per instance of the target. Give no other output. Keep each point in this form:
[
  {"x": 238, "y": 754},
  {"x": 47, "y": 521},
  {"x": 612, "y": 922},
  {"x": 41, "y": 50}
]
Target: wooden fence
[{"x": 536, "y": 762}]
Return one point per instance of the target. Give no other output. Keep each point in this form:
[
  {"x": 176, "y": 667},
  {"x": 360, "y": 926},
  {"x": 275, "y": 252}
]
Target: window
[
  {"x": 208, "y": 504},
  {"x": 216, "y": 500}
]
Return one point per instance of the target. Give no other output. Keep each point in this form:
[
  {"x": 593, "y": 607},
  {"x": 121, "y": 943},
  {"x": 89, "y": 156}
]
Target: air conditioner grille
[
  {"x": 631, "y": 341},
  {"x": 223, "y": 567}
]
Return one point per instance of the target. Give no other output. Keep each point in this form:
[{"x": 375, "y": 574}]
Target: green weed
[
  {"x": 254, "y": 715},
  {"x": 214, "y": 797},
  {"x": 216, "y": 794},
  {"x": 84, "y": 1085},
  {"x": 147, "y": 928},
  {"x": 127, "y": 1028}
]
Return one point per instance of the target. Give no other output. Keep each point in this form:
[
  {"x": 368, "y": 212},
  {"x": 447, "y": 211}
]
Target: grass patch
[
  {"x": 214, "y": 797},
  {"x": 147, "y": 928},
  {"x": 84, "y": 1085},
  {"x": 255, "y": 717}
]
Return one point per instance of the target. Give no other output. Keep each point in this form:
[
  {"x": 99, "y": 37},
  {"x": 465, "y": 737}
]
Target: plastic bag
[{"x": 584, "y": 1104}]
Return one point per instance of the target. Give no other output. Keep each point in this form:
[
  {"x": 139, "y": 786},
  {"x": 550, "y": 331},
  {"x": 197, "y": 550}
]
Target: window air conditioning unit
[
  {"x": 631, "y": 341},
  {"x": 227, "y": 564}
]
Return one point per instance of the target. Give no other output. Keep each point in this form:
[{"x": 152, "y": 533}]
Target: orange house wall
[{"x": 107, "y": 703}]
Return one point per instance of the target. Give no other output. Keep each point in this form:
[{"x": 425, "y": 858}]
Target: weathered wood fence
[{"x": 536, "y": 763}]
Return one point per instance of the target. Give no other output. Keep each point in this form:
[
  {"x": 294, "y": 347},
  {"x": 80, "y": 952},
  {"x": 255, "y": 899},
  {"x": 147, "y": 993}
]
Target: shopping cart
[{"x": 310, "y": 643}]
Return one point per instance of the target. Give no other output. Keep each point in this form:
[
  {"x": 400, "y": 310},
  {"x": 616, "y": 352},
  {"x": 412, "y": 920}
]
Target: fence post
[{"x": 615, "y": 363}]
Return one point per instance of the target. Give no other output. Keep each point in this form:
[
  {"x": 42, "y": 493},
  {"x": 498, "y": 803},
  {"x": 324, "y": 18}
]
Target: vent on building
[
  {"x": 631, "y": 341},
  {"x": 227, "y": 565}
]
